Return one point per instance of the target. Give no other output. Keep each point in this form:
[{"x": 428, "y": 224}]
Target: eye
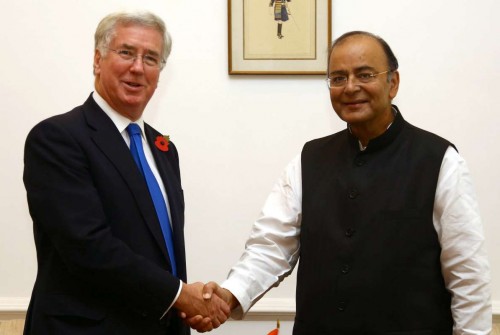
[
  {"x": 151, "y": 60},
  {"x": 365, "y": 76},
  {"x": 336, "y": 80},
  {"x": 125, "y": 54}
]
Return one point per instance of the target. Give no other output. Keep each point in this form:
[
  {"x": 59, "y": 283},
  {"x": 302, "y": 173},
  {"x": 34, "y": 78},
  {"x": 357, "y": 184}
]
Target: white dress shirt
[
  {"x": 121, "y": 123},
  {"x": 272, "y": 250}
]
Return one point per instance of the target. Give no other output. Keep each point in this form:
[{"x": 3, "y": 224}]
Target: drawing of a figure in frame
[
  {"x": 267, "y": 22},
  {"x": 281, "y": 12}
]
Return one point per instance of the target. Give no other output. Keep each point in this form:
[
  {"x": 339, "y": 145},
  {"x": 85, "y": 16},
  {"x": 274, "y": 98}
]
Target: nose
[
  {"x": 352, "y": 85},
  {"x": 137, "y": 65}
]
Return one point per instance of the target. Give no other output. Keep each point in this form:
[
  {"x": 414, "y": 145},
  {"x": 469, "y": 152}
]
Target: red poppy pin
[{"x": 162, "y": 142}]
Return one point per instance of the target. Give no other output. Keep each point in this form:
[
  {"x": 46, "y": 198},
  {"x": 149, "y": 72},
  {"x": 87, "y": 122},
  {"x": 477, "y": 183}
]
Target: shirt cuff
[
  {"x": 244, "y": 302},
  {"x": 173, "y": 301}
]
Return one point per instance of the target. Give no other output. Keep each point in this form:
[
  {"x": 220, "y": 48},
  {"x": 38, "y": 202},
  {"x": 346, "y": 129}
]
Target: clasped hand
[{"x": 204, "y": 307}]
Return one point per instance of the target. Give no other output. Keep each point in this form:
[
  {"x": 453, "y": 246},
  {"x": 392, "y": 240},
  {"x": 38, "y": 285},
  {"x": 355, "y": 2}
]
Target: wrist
[
  {"x": 182, "y": 298},
  {"x": 231, "y": 300}
]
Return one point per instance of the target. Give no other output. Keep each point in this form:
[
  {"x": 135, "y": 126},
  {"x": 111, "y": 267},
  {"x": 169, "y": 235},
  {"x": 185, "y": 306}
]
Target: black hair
[{"x": 391, "y": 58}]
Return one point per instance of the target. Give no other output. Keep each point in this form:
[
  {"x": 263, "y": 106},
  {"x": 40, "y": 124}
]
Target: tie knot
[{"x": 133, "y": 129}]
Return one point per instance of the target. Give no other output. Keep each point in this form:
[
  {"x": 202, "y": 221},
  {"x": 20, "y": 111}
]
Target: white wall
[{"x": 236, "y": 134}]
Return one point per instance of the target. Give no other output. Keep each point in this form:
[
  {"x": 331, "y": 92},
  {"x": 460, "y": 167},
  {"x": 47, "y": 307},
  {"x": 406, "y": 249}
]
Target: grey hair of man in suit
[{"x": 106, "y": 29}]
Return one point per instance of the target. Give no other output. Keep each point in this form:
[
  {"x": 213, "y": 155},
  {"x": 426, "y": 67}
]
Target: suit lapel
[
  {"x": 110, "y": 142},
  {"x": 167, "y": 164}
]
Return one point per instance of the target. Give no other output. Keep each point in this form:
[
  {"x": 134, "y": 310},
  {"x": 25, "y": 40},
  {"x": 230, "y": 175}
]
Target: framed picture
[{"x": 278, "y": 36}]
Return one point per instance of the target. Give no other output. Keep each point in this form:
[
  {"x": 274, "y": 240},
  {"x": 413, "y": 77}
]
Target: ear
[
  {"x": 393, "y": 91},
  {"x": 97, "y": 62}
]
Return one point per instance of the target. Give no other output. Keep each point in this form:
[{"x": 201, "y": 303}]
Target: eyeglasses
[
  {"x": 147, "y": 59},
  {"x": 364, "y": 77}
]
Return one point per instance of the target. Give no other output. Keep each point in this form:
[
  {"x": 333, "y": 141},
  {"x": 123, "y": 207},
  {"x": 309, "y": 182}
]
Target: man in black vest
[{"x": 382, "y": 215}]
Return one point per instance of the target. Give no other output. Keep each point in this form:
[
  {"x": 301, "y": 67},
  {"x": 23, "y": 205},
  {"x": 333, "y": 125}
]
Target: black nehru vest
[{"x": 369, "y": 255}]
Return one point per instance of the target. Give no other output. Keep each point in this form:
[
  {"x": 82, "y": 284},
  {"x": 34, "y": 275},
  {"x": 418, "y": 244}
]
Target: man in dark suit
[{"x": 106, "y": 263}]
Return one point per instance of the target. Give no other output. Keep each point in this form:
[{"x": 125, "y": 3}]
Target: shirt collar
[
  {"x": 120, "y": 121},
  {"x": 394, "y": 112}
]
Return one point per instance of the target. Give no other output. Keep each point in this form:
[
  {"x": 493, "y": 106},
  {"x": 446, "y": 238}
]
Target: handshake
[{"x": 205, "y": 307}]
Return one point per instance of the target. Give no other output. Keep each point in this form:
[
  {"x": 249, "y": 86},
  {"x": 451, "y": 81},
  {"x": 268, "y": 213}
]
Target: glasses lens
[
  {"x": 337, "y": 81},
  {"x": 150, "y": 60},
  {"x": 125, "y": 54},
  {"x": 365, "y": 77}
]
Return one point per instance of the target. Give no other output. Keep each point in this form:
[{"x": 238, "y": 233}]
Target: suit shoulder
[
  {"x": 66, "y": 119},
  {"x": 58, "y": 125}
]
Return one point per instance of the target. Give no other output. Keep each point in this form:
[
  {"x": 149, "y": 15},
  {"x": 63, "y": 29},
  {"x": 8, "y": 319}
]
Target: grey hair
[{"x": 107, "y": 27}]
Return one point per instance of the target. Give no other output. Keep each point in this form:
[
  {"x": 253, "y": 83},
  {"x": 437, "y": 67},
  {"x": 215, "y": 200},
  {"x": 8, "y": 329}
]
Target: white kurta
[{"x": 272, "y": 250}]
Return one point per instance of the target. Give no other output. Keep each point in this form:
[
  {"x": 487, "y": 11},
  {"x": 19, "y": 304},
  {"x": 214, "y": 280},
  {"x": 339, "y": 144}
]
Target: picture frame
[{"x": 279, "y": 36}]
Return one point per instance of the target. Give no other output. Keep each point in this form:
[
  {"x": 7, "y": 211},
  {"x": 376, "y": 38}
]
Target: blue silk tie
[{"x": 134, "y": 132}]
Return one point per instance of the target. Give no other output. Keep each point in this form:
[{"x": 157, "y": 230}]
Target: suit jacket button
[
  {"x": 345, "y": 269},
  {"x": 341, "y": 306},
  {"x": 353, "y": 193},
  {"x": 349, "y": 232}
]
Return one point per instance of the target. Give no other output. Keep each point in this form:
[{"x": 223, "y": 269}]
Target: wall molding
[
  {"x": 15, "y": 307},
  {"x": 14, "y": 304},
  {"x": 282, "y": 306},
  {"x": 286, "y": 306},
  {"x": 495, "y": 306}
]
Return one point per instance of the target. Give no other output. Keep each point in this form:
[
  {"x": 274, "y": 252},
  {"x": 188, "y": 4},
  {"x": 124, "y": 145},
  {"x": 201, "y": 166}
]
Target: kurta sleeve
[
  {"x": 272, "y": 250},
  {"x": 464, "y": 261}
]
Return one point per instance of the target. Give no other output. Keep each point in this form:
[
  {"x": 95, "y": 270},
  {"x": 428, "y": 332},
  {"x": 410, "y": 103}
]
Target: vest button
[
  {"x": 341, "y": 306},
  {"x": 349, "y": 232},
  {"x": 353, "y": 194},
  {"x": 345, "y": 269}
]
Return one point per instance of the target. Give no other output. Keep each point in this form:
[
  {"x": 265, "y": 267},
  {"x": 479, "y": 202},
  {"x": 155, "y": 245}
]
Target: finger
[
  {"x": 199, "y": 323},
  {"x": 225, "y": 308},
  {"x": 223, "y": 311},
  {"x": 221, "y": 304},
  {"x": 193, "y": 321},
  {"x": 221, "y": 317},
  {"x": 182, "y": 315},
  {"x": 208, "y": 289},
  {"x": 216, "y": 323},
  {"x": 204, "y": 326}
]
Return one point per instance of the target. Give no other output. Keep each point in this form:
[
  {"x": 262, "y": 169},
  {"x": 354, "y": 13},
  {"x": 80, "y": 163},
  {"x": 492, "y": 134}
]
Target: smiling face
[
  {"x": 125, "y": 85},
  {"x": 366, "y": 107}
]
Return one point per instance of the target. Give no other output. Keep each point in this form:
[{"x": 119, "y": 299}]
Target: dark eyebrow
[
  {"x": 364, "y": 68},
  {"x": 338, "y": 72},
  {"x": 356, "y": 70}
]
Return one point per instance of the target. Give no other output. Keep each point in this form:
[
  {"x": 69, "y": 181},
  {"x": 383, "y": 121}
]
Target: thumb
[{"x": 209, "y": 288}]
